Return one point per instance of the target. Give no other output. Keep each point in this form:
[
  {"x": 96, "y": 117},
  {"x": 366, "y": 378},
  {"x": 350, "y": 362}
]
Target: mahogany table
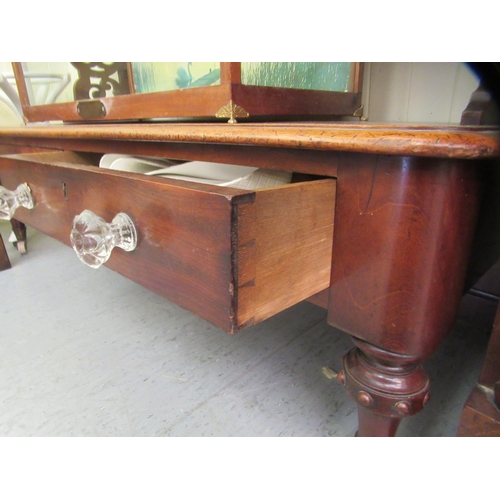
[{"x": 387, "y": 212}]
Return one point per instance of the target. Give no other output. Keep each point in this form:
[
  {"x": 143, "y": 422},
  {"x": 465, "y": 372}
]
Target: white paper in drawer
[
  {"x": 261, "y": 178},
  {"x": 219, "y": 174},
  {"x": 138, "y": 164}
]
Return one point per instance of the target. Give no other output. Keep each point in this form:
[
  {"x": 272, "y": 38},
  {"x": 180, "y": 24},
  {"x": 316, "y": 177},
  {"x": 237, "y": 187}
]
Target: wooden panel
[
  {"x": 286, "y": 237},
  {"x": 280, "y": 102},
  {"x": 189, "y": 102}
]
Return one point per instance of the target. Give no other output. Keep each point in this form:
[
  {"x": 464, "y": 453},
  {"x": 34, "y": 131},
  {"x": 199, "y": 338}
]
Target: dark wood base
[
  {"x": 373, "y": 425},
  {"x": 386, "y": 387},
  {"x": 21, "y": 239},
  {"x": 481, "y": 414},
  {"x": 480, "y": 417},
  {"x": 4, "y": 258}
]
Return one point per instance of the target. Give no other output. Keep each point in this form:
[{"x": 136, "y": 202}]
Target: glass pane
[
  {"x": 55, "y": 82},
  {"x": 161, "y": 76},
  {"x": 10, "y": 106},
  {"x": 333, "y": 76}
]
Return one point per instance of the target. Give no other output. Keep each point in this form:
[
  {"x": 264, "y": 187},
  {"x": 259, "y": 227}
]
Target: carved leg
[
  {"x": 4, "y": 258},
  {"x": 20, "y": 232},
  {"x": 385, "y": 386},
  {"x": 403, "y": 232}
]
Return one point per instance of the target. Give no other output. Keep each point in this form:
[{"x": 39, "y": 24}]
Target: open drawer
[{"x": 231, "y": 256}]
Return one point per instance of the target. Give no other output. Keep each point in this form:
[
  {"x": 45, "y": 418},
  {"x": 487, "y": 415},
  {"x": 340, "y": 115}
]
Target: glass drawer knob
[
  {"x": 93, "y": 238},
  {"x": 10, "y": 201}
]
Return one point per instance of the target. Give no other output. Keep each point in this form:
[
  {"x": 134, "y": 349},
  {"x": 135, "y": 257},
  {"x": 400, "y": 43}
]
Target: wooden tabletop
[{"x": 361, "y": 137}]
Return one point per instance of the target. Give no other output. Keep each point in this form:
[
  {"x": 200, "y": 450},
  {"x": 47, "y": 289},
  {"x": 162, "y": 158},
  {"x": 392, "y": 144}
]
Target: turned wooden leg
[
  {"x": 404, "y": 228},
  {"x": 386, "y": 387},
  {"x": 4, "y": 258},
  {"x": 20, "y": 231}
]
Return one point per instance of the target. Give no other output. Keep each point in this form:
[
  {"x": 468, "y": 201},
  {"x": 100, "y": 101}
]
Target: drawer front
[{"x": 230, "y": 256}]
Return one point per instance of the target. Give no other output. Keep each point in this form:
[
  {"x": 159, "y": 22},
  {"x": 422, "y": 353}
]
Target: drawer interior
[{"x": 232, "y": 256}]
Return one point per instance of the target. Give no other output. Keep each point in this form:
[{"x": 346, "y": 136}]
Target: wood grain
[
  {"x": 4, "y": 258},
  {"x": 284, "y": 248},
  {"x": 480, "y": 417},
  {"x": 403, "y": 234},
  {"x": 192, "y": 247},
  {"x": 440, "y": 142},
  {"x": 481, "y": 413}
]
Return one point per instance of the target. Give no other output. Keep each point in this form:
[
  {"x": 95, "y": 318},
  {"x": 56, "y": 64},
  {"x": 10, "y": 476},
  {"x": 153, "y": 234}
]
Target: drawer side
[{"x": 284, "y": 247}]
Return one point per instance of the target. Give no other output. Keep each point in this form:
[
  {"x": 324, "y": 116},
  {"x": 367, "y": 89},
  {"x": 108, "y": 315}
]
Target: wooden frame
[{"x": 230, "y": 101}]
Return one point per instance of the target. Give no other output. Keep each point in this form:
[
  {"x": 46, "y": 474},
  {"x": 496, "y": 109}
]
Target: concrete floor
[{"x": 86, "y": 352}]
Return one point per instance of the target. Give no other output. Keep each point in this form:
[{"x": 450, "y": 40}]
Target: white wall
[{"x": 417, "y": 92}]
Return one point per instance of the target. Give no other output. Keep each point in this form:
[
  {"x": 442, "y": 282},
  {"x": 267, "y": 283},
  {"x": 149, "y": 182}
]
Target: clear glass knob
[
  {"x": 10, "y": 201},
  {"x": 93, "y": 238}
]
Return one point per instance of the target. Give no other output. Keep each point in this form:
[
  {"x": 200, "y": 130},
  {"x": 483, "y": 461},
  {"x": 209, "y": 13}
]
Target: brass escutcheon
[{"x": 89, "y": 110}]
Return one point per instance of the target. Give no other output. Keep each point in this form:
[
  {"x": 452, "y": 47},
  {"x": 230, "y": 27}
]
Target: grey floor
[{"x": 87, "y": 352}]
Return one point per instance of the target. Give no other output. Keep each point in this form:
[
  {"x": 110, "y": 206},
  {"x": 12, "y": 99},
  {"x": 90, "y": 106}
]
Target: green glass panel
[
  {"x": 161, "y": 76},
  {"x": 334, "y": 76}
]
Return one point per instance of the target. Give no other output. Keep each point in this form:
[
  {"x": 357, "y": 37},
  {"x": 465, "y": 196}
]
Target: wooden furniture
[
  {"x": 227, "y": 91},
  {"x": 4, "y": 258},
  {"x": 481, "y": 414},
  {"x": 379, "y": 231}
]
